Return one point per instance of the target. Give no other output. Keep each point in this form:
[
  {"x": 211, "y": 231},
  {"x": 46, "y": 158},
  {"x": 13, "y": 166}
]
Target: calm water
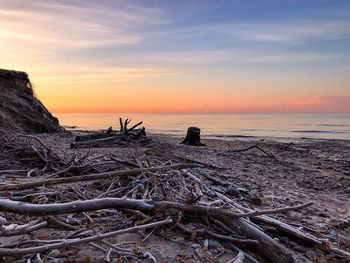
[{"x": 319, "y": 126}]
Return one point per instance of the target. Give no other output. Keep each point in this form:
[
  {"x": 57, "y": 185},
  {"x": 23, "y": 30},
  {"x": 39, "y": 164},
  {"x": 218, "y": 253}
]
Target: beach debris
[
  {"x": 110, "y": 138},
  {"x": 98, "y": 135},
  {"x": 193, "y": 137},
  {"x": 256, "y": 146},
  {"x": 88, "y": 202}
]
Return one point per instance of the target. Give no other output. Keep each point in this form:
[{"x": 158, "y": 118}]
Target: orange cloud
[
  {"x": 307, "y": 102},
  {"x": 323, "y": 104},
  {"x": 312, "y": 104}
]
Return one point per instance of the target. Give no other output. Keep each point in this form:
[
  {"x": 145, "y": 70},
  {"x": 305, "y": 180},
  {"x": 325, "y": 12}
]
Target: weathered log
[
  {"x": 73, "y": 207},
  {"x": 94, "y": 136},
  {"x": 193, "y": 137},
  {"x": 10, "y": 206},
  {"x": 103, "y": 139},
  {"x": 267, "y": 246},
  {"x": 302, "y": 236},
  {"x": 136, "y": 134},
  {"x": 93, "y": 143}
]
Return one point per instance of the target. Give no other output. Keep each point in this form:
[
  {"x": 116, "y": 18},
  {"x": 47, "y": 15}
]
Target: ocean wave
[
  {"x": 318, "y": 131},
  {"x": 333, "y": 125},
  {"x": 251, "y": 129},
  {"x": 229, "y": 136},
  {"x": 323, "y": 125},
  {"x": 164, "y": 130}
]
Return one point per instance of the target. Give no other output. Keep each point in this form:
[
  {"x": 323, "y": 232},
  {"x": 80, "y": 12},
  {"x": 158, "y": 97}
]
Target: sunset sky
[{"x": 181, "y": 56}]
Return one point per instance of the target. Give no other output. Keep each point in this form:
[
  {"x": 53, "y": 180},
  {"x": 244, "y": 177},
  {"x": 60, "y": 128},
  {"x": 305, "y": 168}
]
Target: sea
[{"x": 224, "y": 126}]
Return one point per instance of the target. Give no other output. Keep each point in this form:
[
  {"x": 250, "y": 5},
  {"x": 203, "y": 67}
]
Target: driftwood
[
  {"x": 94, "y": 142},
  {"x": 199, "y": 162},
  {"x": 93, "y": 136},
  {"x": 78, "y": 193},
  {"x": 300, "y": 235},
  {"x": 254, "y": 147},
  {"x": 90, "y": 177},
  {"x": 208, "y": 233},
  {"x": 55, "y": 244},
  {"x": 268, "y": 247},
  {"x": 109, "y": 137},
  {"x": 120, "y": 203}
]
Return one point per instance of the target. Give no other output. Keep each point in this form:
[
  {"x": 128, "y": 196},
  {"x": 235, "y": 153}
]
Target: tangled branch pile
[
  {"x": 52, "y": 203},
  {"x": 125, "y": 136}
]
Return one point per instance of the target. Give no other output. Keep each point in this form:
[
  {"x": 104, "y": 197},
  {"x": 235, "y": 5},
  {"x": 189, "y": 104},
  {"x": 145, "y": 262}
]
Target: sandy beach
[{"x": 272, "y": 175}]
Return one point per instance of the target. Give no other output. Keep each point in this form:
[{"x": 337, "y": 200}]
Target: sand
[{"x": 299, "y": 171}]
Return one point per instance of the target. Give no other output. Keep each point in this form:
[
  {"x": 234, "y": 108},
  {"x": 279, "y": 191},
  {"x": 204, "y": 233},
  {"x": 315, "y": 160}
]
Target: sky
[{"x": 181, "y": 56}]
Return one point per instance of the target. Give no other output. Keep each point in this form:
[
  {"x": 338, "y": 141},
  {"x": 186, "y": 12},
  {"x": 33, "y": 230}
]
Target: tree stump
[{"x": 193, "y": 137}]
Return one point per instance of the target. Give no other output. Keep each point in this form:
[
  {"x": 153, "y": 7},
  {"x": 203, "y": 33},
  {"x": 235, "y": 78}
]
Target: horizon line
[{"x": 188, "y": 112}]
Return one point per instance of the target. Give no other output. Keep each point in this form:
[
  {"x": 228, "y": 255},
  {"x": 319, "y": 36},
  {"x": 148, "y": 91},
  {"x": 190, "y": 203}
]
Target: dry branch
[
  {"x": 126, "y": 131},
  {"x": 216, "y": 236},
  {"x": 120, "y": 203},
  {"x": 267, "y": 246},
  {"x": 72, "y": 242},
  {"x": 72, "y": 207},
  {"x": 256, "y": 147},
  {"x": 90, "y": 177}
]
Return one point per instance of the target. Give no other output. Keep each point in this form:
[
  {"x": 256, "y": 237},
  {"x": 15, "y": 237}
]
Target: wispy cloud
[
  {"x": 45, "y": 28},
  {"x": 320, "y": 104},
  {"x": 37, "y": 33},
  {"x": 298, "y": 31},
  {"x": 280, "y": 31},
  {"x": 57, "y": 26},
  {"x": 90, "y": 74},
  {"x": 221, "y": 58}
]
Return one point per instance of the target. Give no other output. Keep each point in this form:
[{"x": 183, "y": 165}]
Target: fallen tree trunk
[
  {"x": 81, "y": 138},
  {"x": 93, "y": 143}
]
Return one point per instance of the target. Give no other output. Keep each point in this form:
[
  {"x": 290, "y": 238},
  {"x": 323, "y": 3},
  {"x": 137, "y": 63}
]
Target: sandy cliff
[{"x": 19, "y": 109}]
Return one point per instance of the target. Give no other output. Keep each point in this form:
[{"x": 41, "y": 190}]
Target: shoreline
[
  {"x": 225, "y": 137},
  {"x": 318, "y": 126}
]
